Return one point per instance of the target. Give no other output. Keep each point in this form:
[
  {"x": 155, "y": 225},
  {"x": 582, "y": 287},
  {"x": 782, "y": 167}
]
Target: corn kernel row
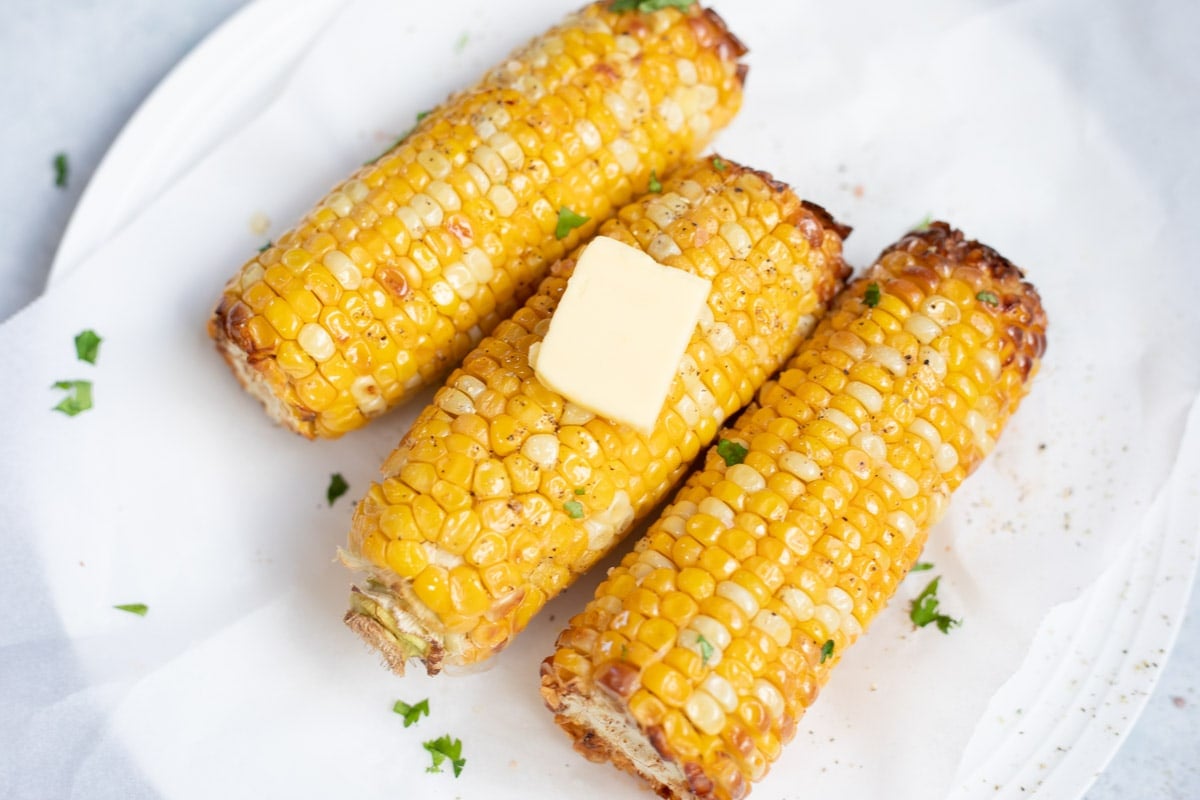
[
  {"x": 504, "y": 491},
  {"x": 716, "y": 633},
  {"x": 402, "y": 268}
]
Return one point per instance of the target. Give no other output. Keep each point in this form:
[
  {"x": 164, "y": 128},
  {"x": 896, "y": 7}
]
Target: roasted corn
[
  {"x": 401, "y": 269},
  {"x": 701, "y": 651},
  {"x": 503, "y": 491}
]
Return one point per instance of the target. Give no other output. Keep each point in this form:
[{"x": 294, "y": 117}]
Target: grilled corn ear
[
  {"x": 701, "y": 651},
  {"x": 503, "y": 491},
  {"x": 401, "y": 269}
]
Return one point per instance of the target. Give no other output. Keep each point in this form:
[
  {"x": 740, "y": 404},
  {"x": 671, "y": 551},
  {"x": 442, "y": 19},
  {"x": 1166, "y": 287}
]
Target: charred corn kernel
[
  {"x": 798, "y": 569},
  {"x": 561, "y": 487},
  {"x": 453, "y": 227}
]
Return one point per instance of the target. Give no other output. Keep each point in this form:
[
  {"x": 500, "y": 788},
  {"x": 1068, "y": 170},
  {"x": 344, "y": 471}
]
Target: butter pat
[{"x": 617, "y": 336}]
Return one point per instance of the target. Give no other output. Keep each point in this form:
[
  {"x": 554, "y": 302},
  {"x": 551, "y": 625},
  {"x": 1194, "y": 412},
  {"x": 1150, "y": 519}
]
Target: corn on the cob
[
  {"x": 699, "y": 653},
  {"x": 503, "y": 491},
  {"x": 401, "y": 269}
]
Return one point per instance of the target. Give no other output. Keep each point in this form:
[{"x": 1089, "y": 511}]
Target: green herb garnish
[
  {"x": 872, "y": 295},
  {"x": 568, "y": 221},
  {"x": 265, "y": 247},
  {"x": 718, "y": 164},
  {"x": 732, "y": 452},
  {"x": 87, "y": 346},
  {"x": 649, "y": 5},
  {"x": 337, "y": 487},
  {"x": 574, "y": 509},
  {"x": 460, "y": 43},
  {"x": 924, "y": 224},
  {"x": 78, "y": 400},
  {"x": 988, "y": 297},
  {"x": 134, "y": 608},
  {"x": 420, "y": 116},
  {"x": 61, "y": 169},
  {"x": 444, "y": 748},
  {"x": 706, "y": 650},
  {"x": 581, "y": 491},
  {"x": 925, "y": 609},
  {"x": 411, "y": 713},
  {"x": 922, "y": 566},
  {"x": 655, "y": 183},
  {"x": 826, "y": 650}
]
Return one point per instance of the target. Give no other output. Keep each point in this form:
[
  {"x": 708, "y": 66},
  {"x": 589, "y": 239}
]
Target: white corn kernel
[
  {"x": 979, "y": 429},
  {"x": 411, "y": 220},
  {"x": 775, "y": 626},
  {"x": 705, "y": 712},
  {"x": 922, "y": 327},
  {"x": 866, "y": 394},
  {"x": 444, "y": 195},
  {"x": 340, "y": 204},
  {"x": 663, "y": 247},
  {"x": 850, "y": 344},
  {"x": 430, "y": 212},
  {"x": 316, "y": 341},
  {"x": 722, "y": 691},
  {"x": 509, "y": 150},
  {"x": 945, "y": 458},
  {"x": 903, "y": 522},
  {"x": 798, "y": 602},
  {"x": 625, "y": 154},
  {"x": 480, "y": 265},
  {"x": 589, "y": 135},
  {"x": 872, "y": 444},
  {"x": 739, "y": 596},
  {"x": 687, "y": 71},
  {"x": 673, "y": 525},
  {"x": 828, "y": 616},
  {"x": 770, "y": 697},
  {"x": 737, "y": 238},
  {"x": 436, "y": 164},
  {"x": 840, "y": 600},
  {"x": 441, "y": 293},
  {"x": 747, "y": 477},
  {"x": 983, "y": 323},
  {"x": 343, "y": 269},
  {"x": 923, "y": 428},
  {"x": 576, "y": 415},
  {"x": 690, "y": 190},
  {"x": 471, "y": 386},
  {"x": 717, "y": 509},
  {"x": 490, "y": 162},
  {"x": 901, "y": 481},
  {"x": 888, "y": 357},
  {"x": 722, "y": 338},
  {"x": 655, "y": 559},
  {"x": 452, "y": 401},
  {"x": 541, "y": 449},
  {"x": 800, "y": 465},
  {"x": 990, "y": 362},
  {"x": 503, "y": 199},
  {"x": 686, "y": 408},
  {"x": 933, "y": 359},
  {"x": 712, "y": 630},
  {"x": 356, "y": 190},
  {"x": 367, "y": 395},
  {"x": 858, "y": 462},
  {"x": 842, "y": 421},
  {"x": 671, "y": 114},
  {"x": 941, "y": 310},
  {"x": 620, "y": 108},
  {"x": 482, "y": 181}
]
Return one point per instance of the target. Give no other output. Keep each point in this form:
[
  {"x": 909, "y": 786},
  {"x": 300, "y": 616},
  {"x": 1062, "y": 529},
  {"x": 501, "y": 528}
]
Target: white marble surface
[{"x": 77, "y": 69}]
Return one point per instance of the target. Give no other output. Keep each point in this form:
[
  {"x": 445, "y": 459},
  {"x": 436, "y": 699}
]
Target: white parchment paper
[{"x": 1058, "y": 132}]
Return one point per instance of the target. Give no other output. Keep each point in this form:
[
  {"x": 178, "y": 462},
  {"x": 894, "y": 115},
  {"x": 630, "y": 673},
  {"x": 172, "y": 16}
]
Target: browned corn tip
[
  {"x": 503, "y": 491},
  {"x": 402, "y": 268},
  {"x": 707, "y": 643}
]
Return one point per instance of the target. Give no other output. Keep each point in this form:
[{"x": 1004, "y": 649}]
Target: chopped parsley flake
[
  {"x": 826, "y": 650},
  {"x": 732, "y": 452},
  {"x": 568, "y": 221},
  {"x": 706, "y": 650},
  {"x": 265, "y": 247},
  {"x": 650, "y": 5},
  {"x": 134, "y": 608},
  {"x": 460, "y": 43},
  {"x": 988, "y": 297},
  {"x": 581, "y": 491},
  {"x": 411, "y": 713},
  {"x": 921, "y": 566},
  {"x": 925, "y": 609},
  {"x": 924, "y": 224},
  {"x": 61, "y": 170},
  {"x": 337, "y": 487},
  {"x": 444, "y": 748},
  {"x": 655, "y": 183},
  {"x": 574, "y": 509},
  {"x": 420, "y": 116},
  {"x": 872, "y": 295},
  {"x": 718, "y": 164},
  {"x": 78, "y": 400},
  {"x": 87, "y": 346}
]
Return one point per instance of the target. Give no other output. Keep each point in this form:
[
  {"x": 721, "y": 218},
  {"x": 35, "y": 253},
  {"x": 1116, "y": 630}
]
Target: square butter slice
[{"x": 617, "y": 336}]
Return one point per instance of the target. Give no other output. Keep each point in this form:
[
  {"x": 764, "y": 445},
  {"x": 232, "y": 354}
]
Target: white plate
[{"x": 1087, "y": 654}]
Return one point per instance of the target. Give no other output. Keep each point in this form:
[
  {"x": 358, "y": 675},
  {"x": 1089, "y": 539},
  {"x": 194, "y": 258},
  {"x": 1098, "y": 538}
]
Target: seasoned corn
[
  {"x": 851, "y": 455},
  {"x": 401, "y": 269},
  {"x": 503, "y": 491}
]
